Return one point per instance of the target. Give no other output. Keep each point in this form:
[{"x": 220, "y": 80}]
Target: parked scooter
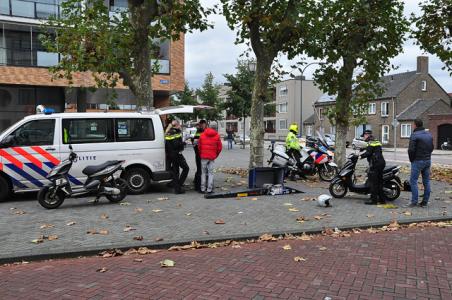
[
  {"x": 312, "y": 161},
  {"x": 100, "y": 181},
  {"x": 447, "y": 145},
  {"x": 346, "y": 181}
]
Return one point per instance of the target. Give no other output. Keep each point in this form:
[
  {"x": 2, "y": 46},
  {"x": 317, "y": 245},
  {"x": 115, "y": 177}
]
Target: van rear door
[
  {"x": 33, "y": 152},
  {"x": 181, "y": 109}
]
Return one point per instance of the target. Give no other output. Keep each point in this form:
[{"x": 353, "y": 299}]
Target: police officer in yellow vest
[
  {"x": 292, "y": 144},
  {"x": 174, "y": 147},
  {"x": 377, "y": 163}
]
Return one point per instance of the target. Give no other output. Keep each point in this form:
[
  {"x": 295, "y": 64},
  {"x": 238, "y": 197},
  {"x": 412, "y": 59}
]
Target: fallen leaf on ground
[
  {"x": 299, "y": 258},
  {"x": 91, "y": 231},
  {"x": 128, "y": 228},
  {"x": 52, "y": 237},
  {"x": 394, "y": 225},
  {"x": 287, "y": 204},
  {"x": 158, "y": 239},
  {"x": 46, "y": 226},
  {"x": 138, "y": 210},
  {"x": 145, "y": 250},
  {"x": 111, "y": 253},
  {"x": 407, "y": 213},
  {"x": 318, "y": 217},
  {"x": 124, "y": 203},
  {"x": 104, "y": 216},
  {"x": 38, "y": 240},
  {"x": 157, "y": 210},
  {"x": 323, "y": 248},
  {"x": 370, "y": 215},
  {"x": 219, "y": 222},
  {"x": 138, "y": 238},
  {"x": 287, "y": 247},
  {"x": 19, "y": 212},
  {"x": 103, "y": 231},
  {"x": 162, "y": 198},
  {"x": 305, "y": 237},
  {"x": 372, "y": 230},
  {"x": 13, "y": 208},
  {"x": 294, "y": 209},
  {"x": 267, "y": 238},
  {"x": 188, "y": 214},
  {"x": 102, "y": 270},
  {"x": 138, "y": 260},
  {"x": 302, "y": 219},
  {"x": 254, "y": 199},
  {"x": 71, "y": 223},
  {"x": 167, "y": 263},
  {"x": 387, "y": 206},
  {"x": 206, "y": 232}
]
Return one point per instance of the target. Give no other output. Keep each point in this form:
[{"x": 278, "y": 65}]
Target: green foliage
[
  {"x": 434, "y": 29},
  {"x": 185, "y": 98},
  {"x": 121, "y": 46},
  {"x": 209, "y": 95},
  {"x": 356, "y": 47}
]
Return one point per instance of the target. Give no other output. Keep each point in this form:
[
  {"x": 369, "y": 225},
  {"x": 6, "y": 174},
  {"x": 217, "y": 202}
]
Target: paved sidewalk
[
  {"x": 405, "y": 264},
  {"x": 162, "y": 218}
]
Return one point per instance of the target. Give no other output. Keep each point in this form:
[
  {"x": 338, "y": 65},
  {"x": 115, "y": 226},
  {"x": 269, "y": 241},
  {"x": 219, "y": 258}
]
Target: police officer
[
  {"x": 174, "y": 147},
  {"x": 377, "y": 163},
  {"x": 200, "y": 127},
  {"x": 293, "y": 145}
]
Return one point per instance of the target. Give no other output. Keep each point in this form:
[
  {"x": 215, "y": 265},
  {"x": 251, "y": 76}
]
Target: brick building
[
  {"x": 406, "y": 96},
  {"x": 26, "y": 82}
]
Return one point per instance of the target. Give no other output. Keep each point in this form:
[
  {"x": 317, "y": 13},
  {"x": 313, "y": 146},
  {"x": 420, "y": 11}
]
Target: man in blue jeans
[{"x": 420, "y": 154}]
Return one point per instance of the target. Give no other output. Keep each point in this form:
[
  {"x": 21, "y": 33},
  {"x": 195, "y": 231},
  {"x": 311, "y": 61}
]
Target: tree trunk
[
  {"x": 342, "y": 109},
  {"x": 257, "y": 130},
  {"x": 139, "y": 78}
]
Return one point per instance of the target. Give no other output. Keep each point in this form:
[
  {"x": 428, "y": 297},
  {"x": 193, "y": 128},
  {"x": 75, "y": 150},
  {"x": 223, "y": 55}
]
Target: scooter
[
  {"x": 346, "y": 181},
  {"x": 447, "y": 145},
  {"x": 312, "y": 161},
  {"x": 101, "y": 182}
]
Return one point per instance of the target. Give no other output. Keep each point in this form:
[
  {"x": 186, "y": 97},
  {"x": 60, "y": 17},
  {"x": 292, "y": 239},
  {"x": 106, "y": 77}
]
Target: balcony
[
  {"x": 27, "y": 58},
  {"x": 34, "y": 9}
]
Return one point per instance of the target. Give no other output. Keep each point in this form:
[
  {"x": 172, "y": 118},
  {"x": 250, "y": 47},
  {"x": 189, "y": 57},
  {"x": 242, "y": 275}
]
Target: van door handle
[{"x": 50, "y": 149}]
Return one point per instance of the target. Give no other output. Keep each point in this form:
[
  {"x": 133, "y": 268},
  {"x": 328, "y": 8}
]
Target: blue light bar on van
[{"x": 48, "y": 111}]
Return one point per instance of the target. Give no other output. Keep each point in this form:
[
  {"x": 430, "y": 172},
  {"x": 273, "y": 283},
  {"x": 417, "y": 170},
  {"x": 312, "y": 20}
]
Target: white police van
[{"x": 34, "y": 145}]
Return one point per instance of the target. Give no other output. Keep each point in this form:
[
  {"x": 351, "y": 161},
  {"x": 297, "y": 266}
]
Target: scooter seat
[
  {"x": 389, "y": 169},
  {"x": 90, "y": 170}
]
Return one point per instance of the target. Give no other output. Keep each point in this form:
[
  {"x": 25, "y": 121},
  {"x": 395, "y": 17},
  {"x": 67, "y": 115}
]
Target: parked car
[
  {"x": 238, "y": 139},
  {"x": 358, "y": 144}
]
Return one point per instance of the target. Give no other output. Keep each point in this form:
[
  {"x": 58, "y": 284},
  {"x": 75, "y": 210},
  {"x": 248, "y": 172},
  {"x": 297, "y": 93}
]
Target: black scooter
[
  {"x": 346, "y": 181},
  {"x": 100, "y": 182}
]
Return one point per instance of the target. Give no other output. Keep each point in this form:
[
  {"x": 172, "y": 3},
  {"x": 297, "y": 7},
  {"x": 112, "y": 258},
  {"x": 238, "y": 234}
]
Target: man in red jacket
[{"x": 209, "y": 147}]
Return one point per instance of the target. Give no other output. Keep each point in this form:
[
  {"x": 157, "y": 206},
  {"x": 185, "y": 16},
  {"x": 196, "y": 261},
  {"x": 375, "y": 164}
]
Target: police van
[{"x": 30, "y": 148}]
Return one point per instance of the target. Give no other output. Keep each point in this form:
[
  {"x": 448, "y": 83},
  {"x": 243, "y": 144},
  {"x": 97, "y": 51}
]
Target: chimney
[{"x": 422, "y": 64}]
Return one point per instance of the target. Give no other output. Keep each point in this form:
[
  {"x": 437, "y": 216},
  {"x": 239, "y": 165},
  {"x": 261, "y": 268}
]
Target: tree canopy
[
  {"x": 186, "y": 97},
  {"x": 434, "y": 29},
  {"x": 119, "y": 45},
  {"x": 209, "y": 95}
]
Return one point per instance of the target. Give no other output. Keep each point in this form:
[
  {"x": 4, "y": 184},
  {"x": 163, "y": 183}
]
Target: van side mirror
[{"x": 7, "y": 142}]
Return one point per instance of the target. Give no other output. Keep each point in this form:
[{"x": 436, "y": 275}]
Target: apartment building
[
  {"x": 406, "y": 97},
  {"x": 26, "y": 82},
  {"x": 291, "y": 107}
]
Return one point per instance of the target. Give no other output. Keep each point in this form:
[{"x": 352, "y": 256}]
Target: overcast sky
[{"x": 214, "y": 51}]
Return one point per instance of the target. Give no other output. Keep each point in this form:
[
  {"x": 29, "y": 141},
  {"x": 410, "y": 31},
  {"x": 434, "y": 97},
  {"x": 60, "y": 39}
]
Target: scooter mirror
[{"x": 70, "y": 147}]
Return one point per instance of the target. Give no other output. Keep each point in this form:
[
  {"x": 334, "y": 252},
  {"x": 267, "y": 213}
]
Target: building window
[
  {"x": 282, "y": 108},
  {"x": 26, "y": 97},
  {"x": 283, "y": 91},
  {"x": 385, "y": 134},
  {"x": 282, "y": 124},
  {"x": 321, "y": 114},
  {"x": 309, "y": 130},
  {"x": 359, "y": 130},
  {"x": 424, "y": 85},
  {"x": 372, "y": 108},
  {"x": 384, "y": 109},
  {"x": 405, "y": 130}
]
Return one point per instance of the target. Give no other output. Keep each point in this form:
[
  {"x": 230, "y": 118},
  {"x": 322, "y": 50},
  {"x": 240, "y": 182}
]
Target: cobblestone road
[{"x": 405, "y": 264}]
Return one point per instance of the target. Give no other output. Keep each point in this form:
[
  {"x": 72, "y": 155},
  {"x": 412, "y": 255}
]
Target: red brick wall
[{"x": 434, "y": 122}]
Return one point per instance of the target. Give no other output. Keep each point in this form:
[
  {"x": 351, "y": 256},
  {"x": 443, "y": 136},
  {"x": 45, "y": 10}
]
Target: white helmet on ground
[{"x": 324, "y": 200}]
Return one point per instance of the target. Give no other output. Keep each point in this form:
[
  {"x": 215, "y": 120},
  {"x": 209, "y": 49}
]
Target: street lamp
[
  {"x": 251, "y": 68},
  {"x": 301, "y": 93}
]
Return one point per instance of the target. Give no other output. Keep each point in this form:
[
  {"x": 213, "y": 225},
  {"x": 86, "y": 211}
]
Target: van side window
[
  {"x": 83, "y": 131},
  {"x": 134, "y": 130},
  {"x": 34, "y": 133}
]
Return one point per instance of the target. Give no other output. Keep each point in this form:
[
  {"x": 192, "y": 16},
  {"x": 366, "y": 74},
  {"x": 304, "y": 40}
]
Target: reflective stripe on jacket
[{"x": 292, "y": 141}]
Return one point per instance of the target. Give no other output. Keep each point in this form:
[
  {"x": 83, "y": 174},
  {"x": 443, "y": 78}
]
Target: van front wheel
[{"x": 138, "y": 180}]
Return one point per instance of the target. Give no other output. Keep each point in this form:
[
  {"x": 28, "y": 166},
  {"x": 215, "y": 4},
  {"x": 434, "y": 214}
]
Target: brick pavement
[
  {"x": 405, "y": 264},
  {"x": 183, "y": 218}
]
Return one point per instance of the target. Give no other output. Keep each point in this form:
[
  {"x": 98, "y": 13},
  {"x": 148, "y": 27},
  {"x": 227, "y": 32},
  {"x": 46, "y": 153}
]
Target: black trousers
[
  {"x": 198, "y": 169},
  {"x": 375, "y": 179},
  {"x": 178, "y": 162},
  {"x": 297, "y": 156}
]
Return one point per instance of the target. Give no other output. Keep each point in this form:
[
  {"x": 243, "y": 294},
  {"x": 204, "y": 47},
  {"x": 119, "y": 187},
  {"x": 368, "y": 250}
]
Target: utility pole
[{"x": 301, "y": 93}]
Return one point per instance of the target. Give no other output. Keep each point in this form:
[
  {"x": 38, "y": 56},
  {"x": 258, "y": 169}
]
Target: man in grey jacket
[{"x": 420, "y": 154}]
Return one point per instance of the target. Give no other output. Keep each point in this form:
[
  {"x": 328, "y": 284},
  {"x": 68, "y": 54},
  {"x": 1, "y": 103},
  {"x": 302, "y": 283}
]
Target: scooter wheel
[
  {"x": 338, "y": 189},
  {"x": 391, "y": 191},
  {"x": 120, "y": 184},
  {"x": 50, "y": 199}
]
